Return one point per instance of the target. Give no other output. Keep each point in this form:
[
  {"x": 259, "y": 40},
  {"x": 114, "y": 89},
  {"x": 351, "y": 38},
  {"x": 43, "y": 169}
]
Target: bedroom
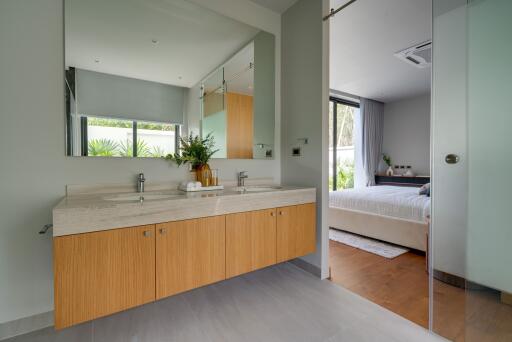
[
  {"x": 377, "y": 217},
  {"x": 408, "y": 105}
]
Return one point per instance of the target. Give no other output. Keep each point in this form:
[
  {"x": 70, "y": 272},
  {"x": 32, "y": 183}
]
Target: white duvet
[{"x": 394, "y": 201}]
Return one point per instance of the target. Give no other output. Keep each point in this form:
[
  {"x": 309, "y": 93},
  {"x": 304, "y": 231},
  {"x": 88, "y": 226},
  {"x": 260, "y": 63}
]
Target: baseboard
[
  {"x": 460, "y": 282},
  {"x": 25, "y": 325},
  {"x": 306, "y": 266}
]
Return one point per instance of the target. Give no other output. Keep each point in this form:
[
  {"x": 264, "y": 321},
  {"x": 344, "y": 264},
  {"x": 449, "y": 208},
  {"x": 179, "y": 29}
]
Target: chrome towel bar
[{"x": 45, "y": 228}]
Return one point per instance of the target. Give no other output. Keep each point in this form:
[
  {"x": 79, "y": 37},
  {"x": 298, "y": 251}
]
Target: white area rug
[{"x": 366, "y": 244}]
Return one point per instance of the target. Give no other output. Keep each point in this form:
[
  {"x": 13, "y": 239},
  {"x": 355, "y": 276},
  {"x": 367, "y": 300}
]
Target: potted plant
[
  {"x": 197, "y": 152},
  {"x": 387, "y": 160}
]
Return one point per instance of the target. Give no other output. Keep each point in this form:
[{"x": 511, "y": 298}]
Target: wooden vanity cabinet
[
  {"x": 189, "y": 254},
  {"x": 250, "y": 241},
  {"x": 100, "y": 273},
  {"x": 296, "y": 231}
]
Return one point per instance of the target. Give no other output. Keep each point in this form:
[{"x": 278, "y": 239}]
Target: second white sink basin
[
  {"x": 259, "y": 188},
  {"x": 140, "y": 197}
]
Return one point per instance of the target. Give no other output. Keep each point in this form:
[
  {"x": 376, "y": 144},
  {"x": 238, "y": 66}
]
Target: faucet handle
[
  {"x": 141, "y": 177},
  {"x": 242, "y": 174}
]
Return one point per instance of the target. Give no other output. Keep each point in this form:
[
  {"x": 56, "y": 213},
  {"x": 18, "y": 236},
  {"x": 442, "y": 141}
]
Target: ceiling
[
  {"x": 168, "y": 41},
  {"x": 363, "y": 39},
  {"x": 279, "y": 6}
]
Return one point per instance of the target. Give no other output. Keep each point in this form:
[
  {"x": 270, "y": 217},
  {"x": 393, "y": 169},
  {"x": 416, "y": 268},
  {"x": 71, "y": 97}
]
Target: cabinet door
[
  {"x": 100, "y": 273},
  {"x": 250, "y": 241},
  {"x": 296, "y": 231},
  {"x": 190, "y": 254}
]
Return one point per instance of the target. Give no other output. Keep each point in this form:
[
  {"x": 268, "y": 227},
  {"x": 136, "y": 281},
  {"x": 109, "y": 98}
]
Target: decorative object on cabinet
[
  {"x": 409, "y": 172},
  {"x": 387, "y": 160},
  {"x": 197, "y": 152}
]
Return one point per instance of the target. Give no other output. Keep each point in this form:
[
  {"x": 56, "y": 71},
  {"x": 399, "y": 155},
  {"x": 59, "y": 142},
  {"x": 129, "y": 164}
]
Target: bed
[{"x": 396, "y": 214}]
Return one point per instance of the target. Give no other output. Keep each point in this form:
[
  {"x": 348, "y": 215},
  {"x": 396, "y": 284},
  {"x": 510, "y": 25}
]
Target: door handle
[
  {"x": 163, "y": 231},
  {"x": 147, "y": 233},
  {"x": 451, "y": 159},
  {"x": 271, "y": 213}
]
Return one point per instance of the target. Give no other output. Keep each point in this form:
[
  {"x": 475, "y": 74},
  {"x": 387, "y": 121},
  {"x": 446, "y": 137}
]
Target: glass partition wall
[{"x": 471, "y": 233}]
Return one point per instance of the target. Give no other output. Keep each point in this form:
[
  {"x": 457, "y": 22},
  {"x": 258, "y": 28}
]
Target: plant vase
[
  {"x": 389, "y": 171},
  {"x": 203, "y": 174}
]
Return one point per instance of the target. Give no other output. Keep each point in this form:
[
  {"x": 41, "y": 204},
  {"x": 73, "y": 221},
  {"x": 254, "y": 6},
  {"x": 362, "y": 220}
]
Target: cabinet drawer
[
  {"x": 100, "y": 273},
  {"x": 189, "y": 254},
  {"x": 296, "y": 231},
  {"x": 250, "y": 241}
]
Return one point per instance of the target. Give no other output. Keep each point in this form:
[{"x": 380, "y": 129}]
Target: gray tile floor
[{"x": 279, "y": 303}]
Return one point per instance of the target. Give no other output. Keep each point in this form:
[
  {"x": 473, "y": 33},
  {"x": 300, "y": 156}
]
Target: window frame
[
  {"x": 84, "y": 140},
  {"x": 335, "y": 102}
]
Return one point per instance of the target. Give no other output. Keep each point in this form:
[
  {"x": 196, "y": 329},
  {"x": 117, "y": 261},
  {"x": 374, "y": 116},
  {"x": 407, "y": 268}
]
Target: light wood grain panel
[
  {"x": 296, "y": 231},
  {"x": 250, "y": 241},
  {"x": 190, "y": 254},
  {"x": 240, "y": 126},
  {"x": 96, "y": 274}
]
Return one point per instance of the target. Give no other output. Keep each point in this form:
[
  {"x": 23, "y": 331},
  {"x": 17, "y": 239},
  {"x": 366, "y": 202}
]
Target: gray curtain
[{"x": 372, "y": 122}]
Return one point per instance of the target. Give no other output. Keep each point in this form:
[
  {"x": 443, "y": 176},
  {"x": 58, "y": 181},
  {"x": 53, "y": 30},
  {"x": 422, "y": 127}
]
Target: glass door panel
[{"x": 471, "y": 234}]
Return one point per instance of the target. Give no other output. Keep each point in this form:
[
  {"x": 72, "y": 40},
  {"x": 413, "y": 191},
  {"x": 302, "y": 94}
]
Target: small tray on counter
[{"x": 203, "y": 188}]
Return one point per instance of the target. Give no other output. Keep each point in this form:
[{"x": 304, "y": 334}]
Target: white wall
[
  {"x": 407, "y": 133},
  {"x": 33, "y": 166},
  {"x": 305, "y": 100}
]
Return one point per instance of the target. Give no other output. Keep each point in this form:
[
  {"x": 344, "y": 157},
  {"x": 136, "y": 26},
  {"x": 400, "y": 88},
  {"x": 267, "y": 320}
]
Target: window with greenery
[
  {"x": 341, "y": 143},
  {"x": 105, "y": 137}
]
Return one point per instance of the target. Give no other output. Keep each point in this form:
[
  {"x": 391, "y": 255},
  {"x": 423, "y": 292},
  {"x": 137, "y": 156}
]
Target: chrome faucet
[
  {"x": 140, "y": 182},
  {"x": 242, "y": 175}
]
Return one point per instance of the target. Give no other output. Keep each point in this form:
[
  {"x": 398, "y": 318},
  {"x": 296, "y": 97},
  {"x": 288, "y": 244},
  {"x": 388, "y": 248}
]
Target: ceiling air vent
[{"x": 419, "y": 55}]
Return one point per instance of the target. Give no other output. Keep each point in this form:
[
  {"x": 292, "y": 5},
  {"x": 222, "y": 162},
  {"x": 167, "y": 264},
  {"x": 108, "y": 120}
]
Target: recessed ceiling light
[
  {"x": 96, "y": 61},
  {"x": 154, "y": 41}
]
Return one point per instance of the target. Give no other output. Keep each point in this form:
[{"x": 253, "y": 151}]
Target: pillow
[{"x": 425, "y": 190}]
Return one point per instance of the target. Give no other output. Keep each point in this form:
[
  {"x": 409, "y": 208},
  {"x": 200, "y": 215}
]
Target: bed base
[{"x": 402, "y": 232}]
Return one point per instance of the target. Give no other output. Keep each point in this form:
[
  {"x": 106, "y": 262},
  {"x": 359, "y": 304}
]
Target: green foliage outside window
[
  {"x": 344, "y": 177},
  {"x": 110, "y": 148}
]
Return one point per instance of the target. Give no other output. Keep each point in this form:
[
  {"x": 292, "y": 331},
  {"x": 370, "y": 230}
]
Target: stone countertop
[{"x": 96, "y": 212}]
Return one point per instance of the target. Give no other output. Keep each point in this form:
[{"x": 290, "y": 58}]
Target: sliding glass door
[
  {"x": 342, "y": 136},
  {"x": 471, "y": 234}
]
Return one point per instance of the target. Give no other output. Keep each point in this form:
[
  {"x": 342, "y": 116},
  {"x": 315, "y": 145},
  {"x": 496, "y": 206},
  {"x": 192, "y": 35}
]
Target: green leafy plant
[
  {"x": 102, "y": 148},
  {"x": 194, "y": 150},
  {"x": 126, "y": 149},
  {"x": 345, "y": 177},
  {"x": 387, "y": 159},
  {"x": 157, "y": 152}
]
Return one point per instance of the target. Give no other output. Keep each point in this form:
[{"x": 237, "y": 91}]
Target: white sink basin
[
  {"x": 140, "y": 197},
  {"x": 259, "y": 188}
]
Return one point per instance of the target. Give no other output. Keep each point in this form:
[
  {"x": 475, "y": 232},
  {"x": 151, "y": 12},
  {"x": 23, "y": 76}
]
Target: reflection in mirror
[
  {"x": 136, "y": 73},
  {"x": 238, "y": 102}
]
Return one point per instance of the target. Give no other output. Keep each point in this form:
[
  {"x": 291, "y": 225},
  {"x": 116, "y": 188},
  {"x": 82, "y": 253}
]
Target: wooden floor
[{"x": 401, "y": 286}]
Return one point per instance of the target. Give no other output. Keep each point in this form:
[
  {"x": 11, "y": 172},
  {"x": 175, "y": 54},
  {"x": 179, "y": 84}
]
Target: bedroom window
[{"x": 342, "y": 120}]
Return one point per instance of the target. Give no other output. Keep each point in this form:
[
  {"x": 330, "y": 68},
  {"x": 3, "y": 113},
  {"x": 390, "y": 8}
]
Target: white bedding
[{"x": 394, "y": 201}]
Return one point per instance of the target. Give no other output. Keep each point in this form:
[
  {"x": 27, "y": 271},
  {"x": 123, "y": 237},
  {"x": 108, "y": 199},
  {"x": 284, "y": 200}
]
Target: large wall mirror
[{"x": 138, "y": 71}]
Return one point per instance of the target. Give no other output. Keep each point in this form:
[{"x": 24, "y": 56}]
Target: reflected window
[{"x": 109, "y": 137}]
